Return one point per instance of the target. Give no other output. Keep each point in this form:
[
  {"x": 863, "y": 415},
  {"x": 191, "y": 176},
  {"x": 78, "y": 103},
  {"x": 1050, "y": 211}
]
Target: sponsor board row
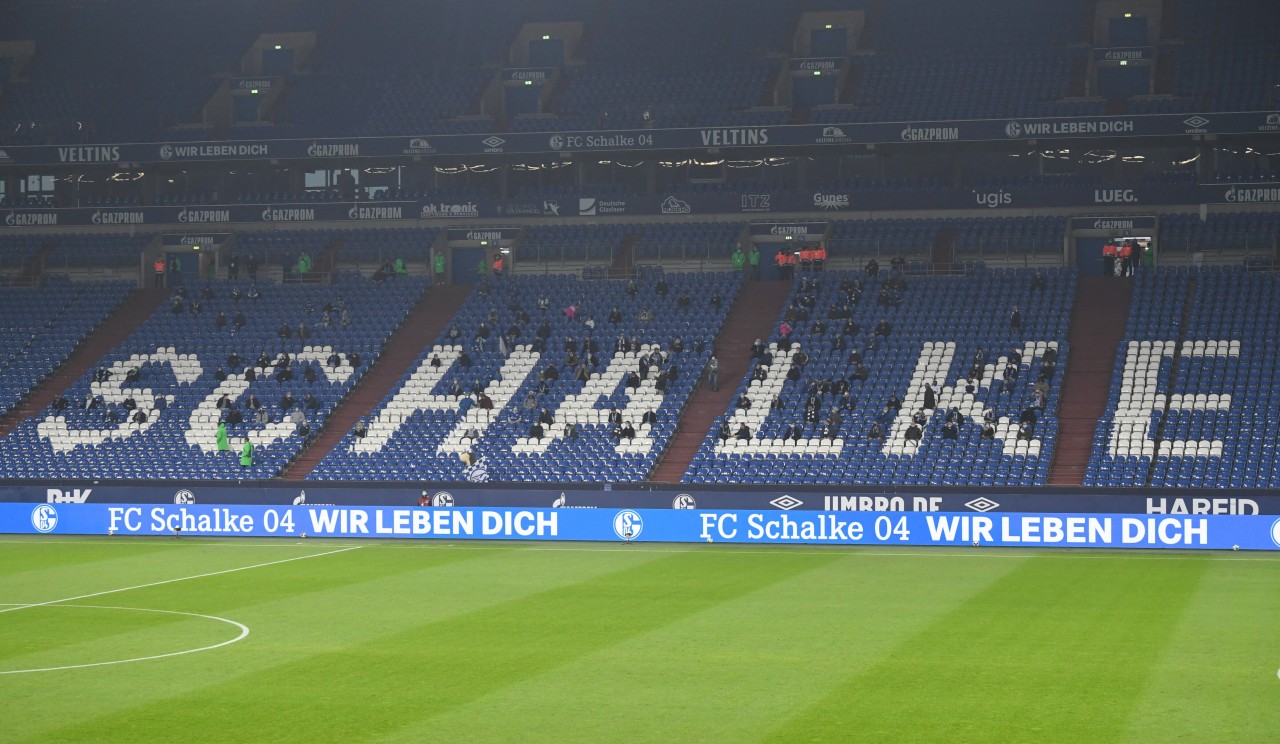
[
  {"x": 783, "y": 135},
  {"x": 1213, "y": 532},
  {"x": 833, "y": 202},
  {"x": 463, "y": 495}
]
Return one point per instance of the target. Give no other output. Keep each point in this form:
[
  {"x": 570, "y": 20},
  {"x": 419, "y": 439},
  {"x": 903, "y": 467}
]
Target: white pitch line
[
  {"x": 172, "y": 581},
  {"x": 847, "y": 549},
  {"x": 244, "y": 633}
]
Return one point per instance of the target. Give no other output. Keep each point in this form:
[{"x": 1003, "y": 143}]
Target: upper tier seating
[
  {"x": 422, "y": 428},
  {"x": 936, "y": 334},
  {"x": 178, "y": 356},
  {"x": 121, "y": 71}
]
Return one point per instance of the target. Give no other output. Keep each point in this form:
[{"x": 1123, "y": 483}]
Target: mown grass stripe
[
  {"x": 1054, "y": 651},
  {"x": 437, "y": 666},
  {"x": 729, "y": 671},
  {"x": 1216, "y": 680}
]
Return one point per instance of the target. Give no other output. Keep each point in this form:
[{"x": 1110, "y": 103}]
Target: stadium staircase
[
  {"x": 944, "y": 249},
  {"x": 758, "y": 307},
  {"x": 424, "y": 323},
  {"x": 34, "y": 268},
  {"x": 624, "y": 259},
  {"x": 1097, "y": 326},
  {"x": 135, "y": 309}
]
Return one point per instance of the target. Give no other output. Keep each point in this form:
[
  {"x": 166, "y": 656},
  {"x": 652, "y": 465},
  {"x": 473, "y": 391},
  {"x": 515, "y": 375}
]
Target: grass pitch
[{"x": 401, "y": 642}]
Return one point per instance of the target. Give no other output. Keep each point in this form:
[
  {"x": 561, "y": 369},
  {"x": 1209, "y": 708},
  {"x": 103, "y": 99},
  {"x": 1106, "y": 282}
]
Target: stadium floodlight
[{"x": 1128, "y": 15}]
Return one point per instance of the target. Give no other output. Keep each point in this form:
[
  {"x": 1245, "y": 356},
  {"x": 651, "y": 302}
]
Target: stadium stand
[
  {"x": 177, "y": 358},
  {"x": 422, "y": 428},
  {"x": 942, "y": 322},
  {"x": 82, "y": 88},
  {"x": 39, "y": 327},
  {"x": 1193, "y": 384}
]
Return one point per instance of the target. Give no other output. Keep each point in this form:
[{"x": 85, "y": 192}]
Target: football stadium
[{"x": 664, "y": 370}]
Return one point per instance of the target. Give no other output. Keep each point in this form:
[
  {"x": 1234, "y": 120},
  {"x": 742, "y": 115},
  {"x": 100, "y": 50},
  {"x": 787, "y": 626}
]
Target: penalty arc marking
[{"x": 244, "y": 633}]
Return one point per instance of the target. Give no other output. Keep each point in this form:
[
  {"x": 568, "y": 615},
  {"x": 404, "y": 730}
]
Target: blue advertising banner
[
  {"x": 650, "y": 525},
  {"x": 473, "y": 234},
  {"x": 832, "y": 201},
  {"x": 531, "y": 75},
  {"x": 1111, "y": 223},
  {"x": 821, "y": 64},
  {"x": 1123, "y": 54},
  {"x": 205, "y": 240},
  {"x": 789, "y": 229},
  {"x": 850, "y": 499},
  {"x": 774, "y": 136},
  {"x": 251, "y": 85}
]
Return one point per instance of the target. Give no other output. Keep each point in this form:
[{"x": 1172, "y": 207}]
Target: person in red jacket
[
  {"x": 1109, "y": 252},
  {"x": 1126, "y": 258}
]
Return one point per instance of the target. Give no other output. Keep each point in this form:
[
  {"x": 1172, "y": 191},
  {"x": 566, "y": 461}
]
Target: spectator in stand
[
  {"x": 743, "y": 434},
  {"x": 873, "y": 267},
  {"x": 875, "y": 432},
  {"x": 1015, "y": 319},
  {"x": 713, "y": 373},
  {"x": 930, "y": 397}
]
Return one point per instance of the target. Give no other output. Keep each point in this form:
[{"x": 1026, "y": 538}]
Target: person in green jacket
[
  {"x": 304, "y": 263},
  {"x": 399, "y": 266},
  {"x": 246, "y": 454},
  {"x": 738, "y": 259},
  {"x": 753, "y": 258},
  {"x": 482, "y": 267},
  {"x": 223, "y": 445},
  {"x": 437, "y": 266}
]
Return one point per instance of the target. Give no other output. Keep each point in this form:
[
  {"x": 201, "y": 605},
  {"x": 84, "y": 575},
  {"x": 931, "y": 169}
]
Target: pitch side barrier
[
  {"x": 1019, "y": 529},
  {"x": 1172, "y": 502}
]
